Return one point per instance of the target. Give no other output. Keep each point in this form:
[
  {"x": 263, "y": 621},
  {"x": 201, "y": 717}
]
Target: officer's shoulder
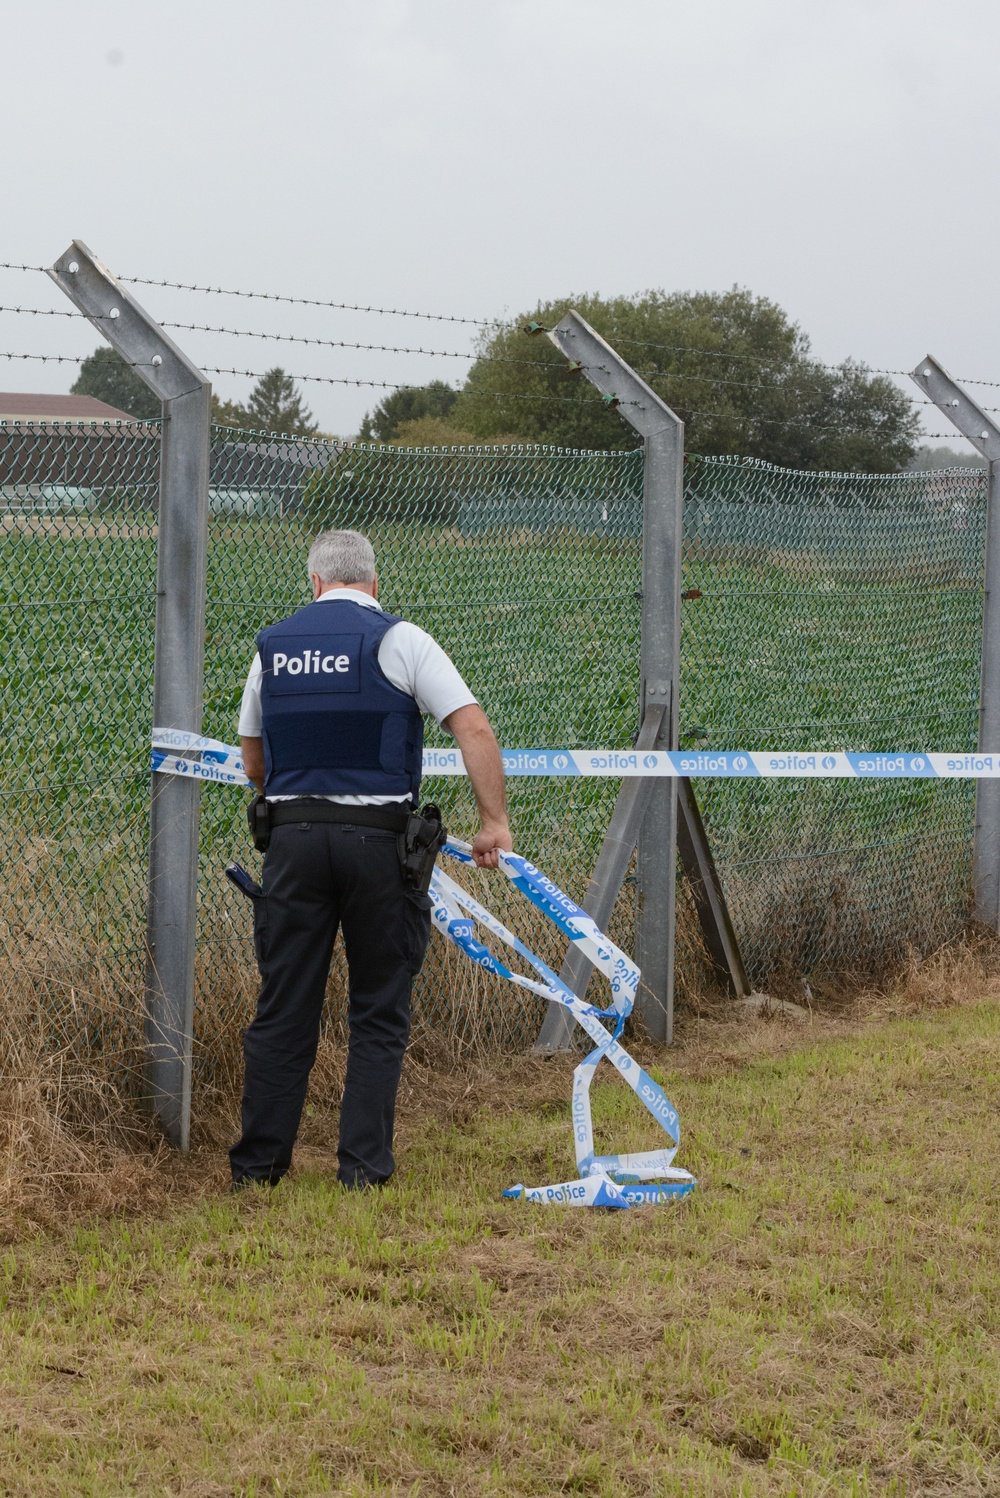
[{"x": 406, "y": 632}]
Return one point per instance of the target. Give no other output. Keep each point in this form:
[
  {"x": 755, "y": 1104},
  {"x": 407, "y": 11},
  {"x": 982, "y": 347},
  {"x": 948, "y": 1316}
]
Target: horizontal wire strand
[
  {"x": 651, "y": 375},
  {"x": 474, "y": 322},
  {"x": 491, "y": 395},
  {"x": 443, "y": 353},
  {"x": 302, "y": 301}
]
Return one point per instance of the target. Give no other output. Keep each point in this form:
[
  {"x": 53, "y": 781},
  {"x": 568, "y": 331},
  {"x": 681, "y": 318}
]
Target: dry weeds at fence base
[{"x": 74, "y": 1140}]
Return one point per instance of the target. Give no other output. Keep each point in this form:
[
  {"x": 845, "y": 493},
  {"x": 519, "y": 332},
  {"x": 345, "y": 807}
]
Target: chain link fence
[
  {"x": 833, "y": 611},
  {"x": 821, "y": 611}
]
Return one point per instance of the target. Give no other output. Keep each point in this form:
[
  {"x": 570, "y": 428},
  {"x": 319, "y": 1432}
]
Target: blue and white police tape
[
  {"x": 738, "y": 764},
  {"x": 176, "y": 752},
  {"x": 626, "y": 1180}
]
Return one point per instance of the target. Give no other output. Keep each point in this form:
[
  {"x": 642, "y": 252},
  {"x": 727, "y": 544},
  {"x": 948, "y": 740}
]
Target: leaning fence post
[
  {"x": 984, "y": 434},
  {"x": 182, "y": 544},
  {"x": 662, "y": 519}
]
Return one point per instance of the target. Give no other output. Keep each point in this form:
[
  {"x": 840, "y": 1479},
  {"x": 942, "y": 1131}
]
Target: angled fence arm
[
  {"x": 662, "y": 433},
  {"x": 984, "y": 434},
  {"x": 182, "y": 542},
  {"x": 602, "y": 891}
]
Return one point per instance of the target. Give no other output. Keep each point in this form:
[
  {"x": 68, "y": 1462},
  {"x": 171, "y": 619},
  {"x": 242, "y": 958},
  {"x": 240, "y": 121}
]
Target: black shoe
[{"x": 248, "y": 1183}]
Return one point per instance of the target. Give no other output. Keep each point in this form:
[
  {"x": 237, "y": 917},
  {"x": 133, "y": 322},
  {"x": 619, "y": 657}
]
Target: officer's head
[{"x": 342, "y": 559}]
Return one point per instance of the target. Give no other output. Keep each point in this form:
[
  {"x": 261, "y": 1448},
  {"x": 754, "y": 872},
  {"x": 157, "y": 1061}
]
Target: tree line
[
  {"x": 275, "y": 405},
  {"x": 734, "y": 367}
]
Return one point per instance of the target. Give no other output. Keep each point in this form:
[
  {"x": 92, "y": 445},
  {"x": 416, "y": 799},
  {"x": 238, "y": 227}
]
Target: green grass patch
[{"x": 821, "y": 1317}]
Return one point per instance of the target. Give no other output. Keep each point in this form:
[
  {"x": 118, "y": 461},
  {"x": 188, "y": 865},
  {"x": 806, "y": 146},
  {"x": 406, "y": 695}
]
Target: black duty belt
[{"x": 281, "y": 813}]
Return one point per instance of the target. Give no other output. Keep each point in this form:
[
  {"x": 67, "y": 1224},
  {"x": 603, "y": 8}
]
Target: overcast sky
[{"x": 471, "y": 157}]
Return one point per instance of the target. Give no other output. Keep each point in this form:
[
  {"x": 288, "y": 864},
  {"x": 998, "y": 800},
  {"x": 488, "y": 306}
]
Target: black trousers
[{"x": 318, "y": 876}]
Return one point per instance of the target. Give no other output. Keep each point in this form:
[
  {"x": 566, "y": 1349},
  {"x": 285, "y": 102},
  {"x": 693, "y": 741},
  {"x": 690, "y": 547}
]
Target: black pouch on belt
[
  {"x": 259, "y": 817},
  {"x": 419, "y": 846}
]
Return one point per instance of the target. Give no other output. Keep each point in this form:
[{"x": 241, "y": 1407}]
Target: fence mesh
[
  {"x": 822, "y": 612},
  {"x": 833, "y": 611}
]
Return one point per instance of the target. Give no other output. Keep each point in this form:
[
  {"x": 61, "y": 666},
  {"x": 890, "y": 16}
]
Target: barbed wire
[
  {"x": 495, "y": 322},
  {"x": 47, "y": 358},
  {"x": 43, "y": 311},
  {"x": 656, "y": 374},
  {"x": 376, "y": 348},
  {"x": 304, "y": 301},
  {"x": 498, "y": 323},
  {"x": 253, "y": 374},
  {"x": 682, "y": 348},
  {"x": 742, "y": 417},
  {"x": 296, "y": 301},
  {"x": 382, "y": 347},
  {"x": 752, "y": 419},
  {"x": 373, "y": 348},
  {"x": 496, "y": 395}
]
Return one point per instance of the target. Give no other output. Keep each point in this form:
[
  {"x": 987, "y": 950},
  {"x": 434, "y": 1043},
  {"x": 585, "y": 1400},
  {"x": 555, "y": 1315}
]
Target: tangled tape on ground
[{"x": 629, "y": 1180}]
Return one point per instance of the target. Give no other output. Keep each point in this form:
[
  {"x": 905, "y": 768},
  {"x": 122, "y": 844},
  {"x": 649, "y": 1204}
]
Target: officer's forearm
[
  {"x": 474, "y": 736},
  {"x": 485, "y": 770},
  {"x": 253, "y": 760}
]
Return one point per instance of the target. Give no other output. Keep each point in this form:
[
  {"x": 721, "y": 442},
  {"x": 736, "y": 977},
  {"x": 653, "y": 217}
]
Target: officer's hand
[{"x": 487, "y": 844}]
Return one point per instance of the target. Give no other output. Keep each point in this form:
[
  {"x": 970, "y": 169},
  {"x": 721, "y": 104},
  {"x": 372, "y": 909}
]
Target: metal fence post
[
  {"x": 656, "y": 858},
  {"x": 182, "y": 544},
  {"x": 662, "y": 519},
  {"x": 984, "y": 434}
]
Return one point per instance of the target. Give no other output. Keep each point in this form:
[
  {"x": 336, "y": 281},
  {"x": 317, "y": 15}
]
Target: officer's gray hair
[{"x": 342, "y": 557}]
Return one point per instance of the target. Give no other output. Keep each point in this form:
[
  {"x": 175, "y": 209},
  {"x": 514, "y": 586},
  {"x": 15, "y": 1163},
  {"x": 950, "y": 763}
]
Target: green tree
[
  {"x": 364, "y": 487},
  {"x": 432, "y": 431},
  {"x": 230, "y": 413},
  {"x": 733, "y": 366},
  {"x": 412, "y": 403},
  {"x": 274, "y": 406},
  {"x": 927, "y": 459},
  {"x": 105, "y": 375}
]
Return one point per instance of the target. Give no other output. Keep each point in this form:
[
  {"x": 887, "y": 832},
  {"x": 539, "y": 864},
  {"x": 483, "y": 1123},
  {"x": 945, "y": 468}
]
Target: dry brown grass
[{"x": 74, "y": 1139}]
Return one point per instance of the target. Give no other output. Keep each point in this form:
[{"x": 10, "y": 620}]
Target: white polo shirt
[{"x": 408, "y": 657}]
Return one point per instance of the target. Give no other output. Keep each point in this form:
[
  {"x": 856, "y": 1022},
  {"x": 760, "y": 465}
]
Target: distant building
[
  {"x": 73, "y": 452},
  {"x": 57, "y": 408}
]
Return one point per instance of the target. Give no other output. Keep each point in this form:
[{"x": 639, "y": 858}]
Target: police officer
[{"x": 332, "y": 733}]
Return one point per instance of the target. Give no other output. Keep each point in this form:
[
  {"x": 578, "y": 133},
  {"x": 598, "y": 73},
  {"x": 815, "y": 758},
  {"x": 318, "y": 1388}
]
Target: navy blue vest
[{"x": 333, "y": 723}]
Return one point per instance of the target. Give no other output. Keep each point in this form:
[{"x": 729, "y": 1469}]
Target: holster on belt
[
  {"x": 419, "y": 845},
  {"x": 259, "y": 817}
]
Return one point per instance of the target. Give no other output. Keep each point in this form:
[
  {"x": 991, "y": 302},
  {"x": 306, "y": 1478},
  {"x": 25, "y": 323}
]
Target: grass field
[
  {"x": 821, "y": 1317},
  {"x": 778, "y": 650}
]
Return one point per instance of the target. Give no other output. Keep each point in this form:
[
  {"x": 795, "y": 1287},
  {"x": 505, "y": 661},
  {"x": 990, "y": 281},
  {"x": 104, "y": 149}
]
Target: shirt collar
[{"x": 351, "y": 595}]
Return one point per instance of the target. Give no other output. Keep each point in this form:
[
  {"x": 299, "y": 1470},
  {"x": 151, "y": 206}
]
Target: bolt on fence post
[
  {"x": 182, "y": 545},
  {"x": 662, "y": 523},
  {"x": 984, "y": 434}
]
